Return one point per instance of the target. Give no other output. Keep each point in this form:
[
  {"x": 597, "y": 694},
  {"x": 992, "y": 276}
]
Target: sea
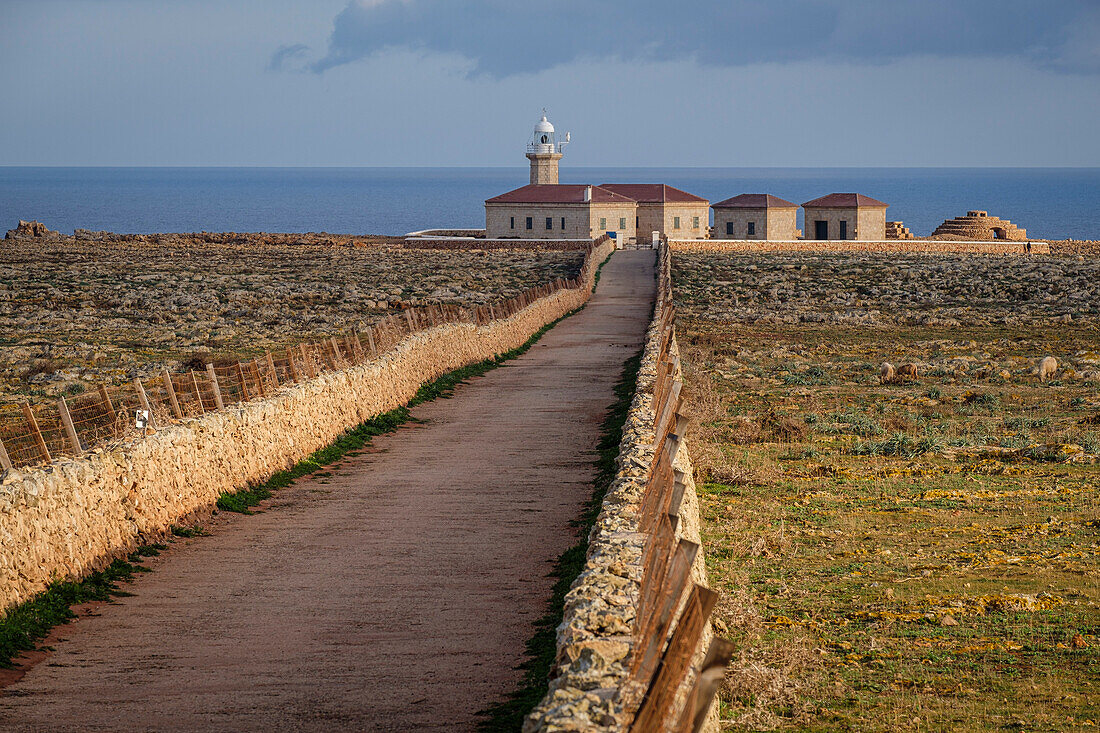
[{"x": 1051, "y": 203}]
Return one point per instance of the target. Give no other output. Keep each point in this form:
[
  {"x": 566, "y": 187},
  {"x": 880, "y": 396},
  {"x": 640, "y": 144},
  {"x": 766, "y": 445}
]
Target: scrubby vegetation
[
  {"x": 75, "y": 313},
  {"x": 911, "y": 556},
  {"x": 874, "y": 289}
]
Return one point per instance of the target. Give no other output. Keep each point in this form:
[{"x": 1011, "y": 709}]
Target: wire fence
[
  {"x": 37, "y": 434},
  {"x": 669, "y": 628}
]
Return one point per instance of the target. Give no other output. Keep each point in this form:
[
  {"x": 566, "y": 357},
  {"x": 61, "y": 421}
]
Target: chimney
[{"x": 587, "y": 194}]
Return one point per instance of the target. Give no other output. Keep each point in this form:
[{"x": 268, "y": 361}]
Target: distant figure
[
  {"x": 1047, "y": 367},
  {"x": 886, "y": 373}
]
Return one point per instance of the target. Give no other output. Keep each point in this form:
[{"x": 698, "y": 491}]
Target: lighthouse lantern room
[{"x": 544, "y": 151}]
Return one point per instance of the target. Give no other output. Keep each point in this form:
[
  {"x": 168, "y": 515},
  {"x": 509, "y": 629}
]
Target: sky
[{"x": 636, "y": 82}]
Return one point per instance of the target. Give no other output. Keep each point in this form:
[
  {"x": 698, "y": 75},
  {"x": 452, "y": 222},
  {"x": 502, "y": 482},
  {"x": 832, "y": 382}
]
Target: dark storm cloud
[{"x": 506, "y": 37}]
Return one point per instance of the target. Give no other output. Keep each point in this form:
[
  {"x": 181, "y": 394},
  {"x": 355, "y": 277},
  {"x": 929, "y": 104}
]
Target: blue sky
[{"x": 460, "y": 82}]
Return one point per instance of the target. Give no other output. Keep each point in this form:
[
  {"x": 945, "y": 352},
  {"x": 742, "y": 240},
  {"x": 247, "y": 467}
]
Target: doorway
[{"x": 821, "y": 229}]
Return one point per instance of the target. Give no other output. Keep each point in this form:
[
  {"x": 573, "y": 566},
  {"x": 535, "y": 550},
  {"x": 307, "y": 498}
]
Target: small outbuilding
[
  {"x": 755, "y": 216},
  {"x": 845, "y": 216},
  {"x": 662, "y": 208}
]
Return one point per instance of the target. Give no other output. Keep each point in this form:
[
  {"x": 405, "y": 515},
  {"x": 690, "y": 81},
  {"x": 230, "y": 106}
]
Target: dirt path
[{"x": 396, "y": 594}]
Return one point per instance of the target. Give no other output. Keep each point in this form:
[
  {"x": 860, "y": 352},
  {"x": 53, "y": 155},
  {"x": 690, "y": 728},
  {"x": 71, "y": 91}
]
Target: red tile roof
[
  {"x": 755, "y": 201},
  {"x": 845, "y": 201},
  {"x": 653, "y": 193},
  {"x": 558, "y": 193}
]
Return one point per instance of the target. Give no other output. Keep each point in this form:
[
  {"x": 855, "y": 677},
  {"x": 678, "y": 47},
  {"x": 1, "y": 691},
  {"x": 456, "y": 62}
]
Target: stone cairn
[
  {"x": 897, "y": 230},
  {"x": 980, "y": 226},
  {"x": 30, "y": 230}
]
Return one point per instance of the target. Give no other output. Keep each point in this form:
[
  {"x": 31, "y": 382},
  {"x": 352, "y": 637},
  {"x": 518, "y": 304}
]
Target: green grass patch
[
  {"x": 26, "y": 624},
  {"x": 187, "y": 532}
]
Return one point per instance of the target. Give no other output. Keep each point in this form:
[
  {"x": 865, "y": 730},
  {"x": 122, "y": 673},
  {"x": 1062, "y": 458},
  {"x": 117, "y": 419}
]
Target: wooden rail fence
[
  {"x": 37, "y": 434},
  {"x": 672, "y": 611}
]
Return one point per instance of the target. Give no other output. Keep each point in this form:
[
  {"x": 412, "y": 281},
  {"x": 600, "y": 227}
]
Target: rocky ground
[
  {"x": 77, "y": 311},
  {"x": 919, "y": 555},
  {"x": 902, "y": 289}
]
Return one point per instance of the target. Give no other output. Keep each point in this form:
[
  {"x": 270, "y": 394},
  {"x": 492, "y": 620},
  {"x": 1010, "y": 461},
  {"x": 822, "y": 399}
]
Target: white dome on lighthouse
[{"x": 543, "y": 125}]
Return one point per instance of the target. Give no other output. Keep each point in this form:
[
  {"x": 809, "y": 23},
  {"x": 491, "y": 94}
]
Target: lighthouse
[{"x": 544, "y": 151}]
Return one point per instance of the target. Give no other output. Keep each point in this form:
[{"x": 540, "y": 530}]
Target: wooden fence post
[
  {"x": 271, "y": 366},
  {"x": 5, "y": 461},
  {"x": 171, "y": 393},
  {"x": 214, "y": 386},
  {"x": 338, "y": 356},
  {"x": 244, "y": 382},
  {"x": 28, "y": 413},
  {"x": 329, "y": 358},
  {"x": 310, "y": 370},
  {"x": 292, "y": 367},
  {"x": 360, "y": 355},
  {"x": 70, "y": 429},
  {"x": 106, "y": 397},
  {"x": 143, "y": 398},
  {"x": 198, "y": 392},
  {"x": 370, "y": 343},
  {"x": 411, "y": 319},
  {"x": 254, "y": 369}
]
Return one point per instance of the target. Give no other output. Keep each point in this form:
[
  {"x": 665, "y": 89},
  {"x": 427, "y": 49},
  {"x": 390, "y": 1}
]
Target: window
[
  {"x": 549, "y": 223},
  {"x": 676, "y": 222},
  {"x": 530, "y": 224},
  {"x": 513, "y": 224},
  {"x": 752, "y": 228},
  {"x": 622, "y": 223},
  {"x": 563, "y": 223},
  {"x": 603, "y": 223},
  {"x": 694, "y": 222},
  {"x": 843, "y": 229},
  {"x": 729, "y": 228}
]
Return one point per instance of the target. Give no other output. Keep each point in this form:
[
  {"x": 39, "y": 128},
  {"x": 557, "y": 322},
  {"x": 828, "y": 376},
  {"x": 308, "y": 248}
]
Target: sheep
[
  {"x": 886, "y": 373},
  {"x": 907, "y": 372},
  {"x": 1047, "y": 367}
]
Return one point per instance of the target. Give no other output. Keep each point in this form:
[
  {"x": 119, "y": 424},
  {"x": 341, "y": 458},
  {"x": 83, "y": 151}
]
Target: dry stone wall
[
  {"x": 537, "y": 245},
  {"x": 590, "y": 689},
  {"x": 74, "y": 516},
  {"x": 885, "y": 247}
]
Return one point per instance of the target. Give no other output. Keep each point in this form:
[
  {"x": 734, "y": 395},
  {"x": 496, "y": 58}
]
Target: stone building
[
  {"x": 661, "y": 208},
  {"x": 755, "y": 216},
  {"x": 980, "y": 226},
  {"x": 561, "y": 211},
  {"x": 845, "y": 216}
]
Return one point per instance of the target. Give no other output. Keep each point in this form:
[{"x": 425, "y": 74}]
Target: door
[{"x": 821, "y": 229}]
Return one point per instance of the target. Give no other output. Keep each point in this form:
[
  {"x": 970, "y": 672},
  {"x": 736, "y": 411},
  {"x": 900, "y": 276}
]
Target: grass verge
[
  {"x": 542, "y": 647},
  {"x": 29, "y": 622}
]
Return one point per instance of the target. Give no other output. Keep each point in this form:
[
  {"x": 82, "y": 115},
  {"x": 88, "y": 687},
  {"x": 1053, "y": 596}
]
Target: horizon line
[{"x": 571, "y": 167}]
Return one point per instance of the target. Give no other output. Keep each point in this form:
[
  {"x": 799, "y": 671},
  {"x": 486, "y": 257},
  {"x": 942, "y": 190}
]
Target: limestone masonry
[{"x": 981, "y": 226}]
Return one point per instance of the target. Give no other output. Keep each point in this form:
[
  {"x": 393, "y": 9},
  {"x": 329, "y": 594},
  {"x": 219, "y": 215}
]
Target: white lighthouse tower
[{"x": 544, "y": 151}]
